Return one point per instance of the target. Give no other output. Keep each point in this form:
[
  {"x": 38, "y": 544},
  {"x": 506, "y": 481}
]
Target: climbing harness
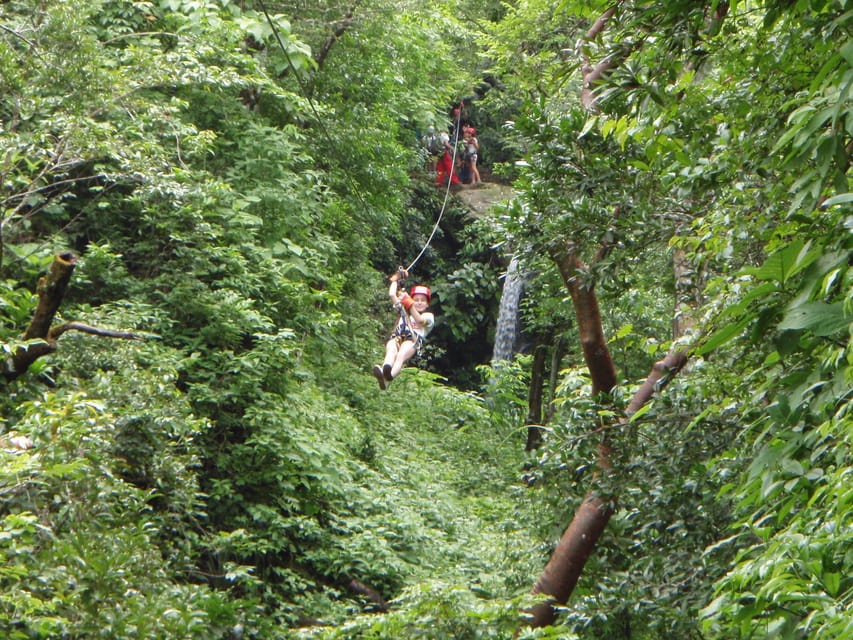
[{"x": 404, "y": 330}]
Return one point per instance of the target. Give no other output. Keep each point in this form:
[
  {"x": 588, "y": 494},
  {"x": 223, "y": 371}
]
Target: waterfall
[{"x": 507, "y": 330}]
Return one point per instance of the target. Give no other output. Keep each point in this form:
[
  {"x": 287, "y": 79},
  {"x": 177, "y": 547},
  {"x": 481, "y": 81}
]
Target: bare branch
[
  {"x": 40, "y": 336},
  {"x": 18, "y": 35},
  {"x": 57, "y": 331},
  {"x": 26, "y": 194},
  {"x": 338, "y": 29}
]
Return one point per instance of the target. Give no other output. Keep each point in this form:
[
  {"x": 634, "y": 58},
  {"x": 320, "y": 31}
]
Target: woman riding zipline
[{"x": 413, "y": 326}]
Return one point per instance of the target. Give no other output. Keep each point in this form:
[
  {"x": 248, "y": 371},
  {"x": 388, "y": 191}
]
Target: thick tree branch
[
  {"x": 593, "y": 73},
  {"x": 663, "y": 371},
  {"x": 51, "y": 289},
  {"x": 338, "y": 29},
  {"x": 598, "y": 26},
  {"x": 596, "y": 354},
  {"x": 41, "y": 336}
]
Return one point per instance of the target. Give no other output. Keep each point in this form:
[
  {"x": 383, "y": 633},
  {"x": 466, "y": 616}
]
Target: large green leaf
[
  {"x": 786, "y": 262},
  {"x": 839, "y": 199},
  {"x": 820, "y": 318},
  {"x": 721, "y": 337}
]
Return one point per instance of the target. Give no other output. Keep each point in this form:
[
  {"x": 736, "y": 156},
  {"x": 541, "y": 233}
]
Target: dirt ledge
[{"x": 482, "y": 197}]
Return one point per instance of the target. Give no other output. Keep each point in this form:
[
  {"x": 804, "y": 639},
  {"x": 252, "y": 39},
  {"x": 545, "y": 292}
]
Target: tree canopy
[{"x": 200, "y": 203}]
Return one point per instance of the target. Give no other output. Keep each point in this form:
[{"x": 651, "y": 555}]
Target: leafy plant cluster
[
  {"x": 234, "y": 472},
  {"x": 238, "y": 180},
  {"x": 713, "y": 134}
]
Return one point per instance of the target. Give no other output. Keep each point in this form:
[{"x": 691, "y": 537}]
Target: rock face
[{"x": 481, "y": 197}]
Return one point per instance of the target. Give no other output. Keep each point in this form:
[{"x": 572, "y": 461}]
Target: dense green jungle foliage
[{"x": 238, "y": 179}]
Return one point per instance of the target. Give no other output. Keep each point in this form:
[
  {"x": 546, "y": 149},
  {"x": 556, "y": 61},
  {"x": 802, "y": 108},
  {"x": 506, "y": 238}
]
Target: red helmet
[{"x": 421, "y": 289}]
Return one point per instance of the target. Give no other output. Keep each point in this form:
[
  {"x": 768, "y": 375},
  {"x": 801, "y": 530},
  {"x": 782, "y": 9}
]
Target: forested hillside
[{"x": 201, "y": 203}]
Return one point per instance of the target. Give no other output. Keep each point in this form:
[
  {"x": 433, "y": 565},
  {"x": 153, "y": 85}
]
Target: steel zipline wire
[
  {"x": 307, "y": 95},
  {"x": 331, "y": 142},
  {"x": 446, "y": 191}
]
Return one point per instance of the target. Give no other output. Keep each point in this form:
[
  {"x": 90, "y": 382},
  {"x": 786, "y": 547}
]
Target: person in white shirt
[
  {"x": 410, "y": 331},
  {"x": 472, "y": 153}
]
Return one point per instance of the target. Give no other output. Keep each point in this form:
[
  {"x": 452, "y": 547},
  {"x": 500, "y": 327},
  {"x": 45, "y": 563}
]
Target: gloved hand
[{"x": 407, "y": 301}]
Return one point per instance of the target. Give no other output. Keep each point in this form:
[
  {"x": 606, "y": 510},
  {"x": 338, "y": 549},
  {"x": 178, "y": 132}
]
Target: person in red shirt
[{"x": 444, "y": 168}]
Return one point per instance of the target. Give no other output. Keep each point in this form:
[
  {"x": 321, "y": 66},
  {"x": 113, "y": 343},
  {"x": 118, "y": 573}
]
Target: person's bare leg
[
  {"x": 406, "y": 351},
  {"x": 391, "y": 351}
]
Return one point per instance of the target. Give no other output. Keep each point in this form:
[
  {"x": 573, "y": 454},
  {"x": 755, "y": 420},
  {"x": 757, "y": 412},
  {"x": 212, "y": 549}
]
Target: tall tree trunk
[
  {"x": 581, "y": 288},
  {"x": 565, "y": 566},
  {"x": 534, "y": 396},
  {"x": 561, "y": 574}
]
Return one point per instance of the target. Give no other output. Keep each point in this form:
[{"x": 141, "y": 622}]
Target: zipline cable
[
  {"x": 331, "y": 142},
  {"x": 307, "y": 95},
  {"x": 446, "y": 192}
]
